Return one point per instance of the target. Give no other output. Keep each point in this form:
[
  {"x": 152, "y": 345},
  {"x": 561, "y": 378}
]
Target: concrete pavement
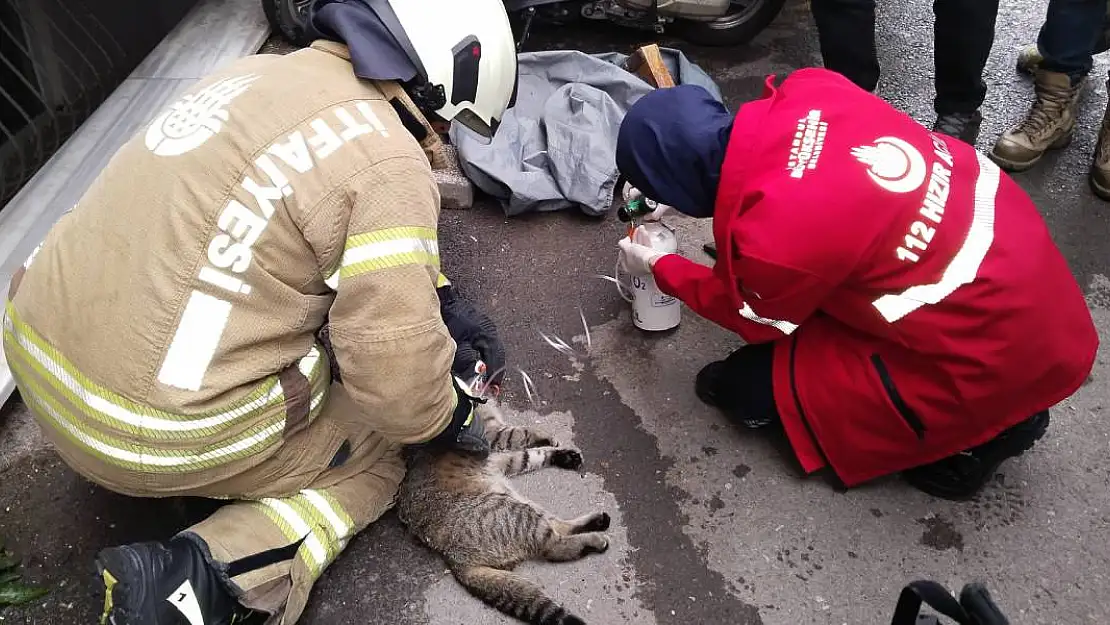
[{"x": 710, "y": 524}]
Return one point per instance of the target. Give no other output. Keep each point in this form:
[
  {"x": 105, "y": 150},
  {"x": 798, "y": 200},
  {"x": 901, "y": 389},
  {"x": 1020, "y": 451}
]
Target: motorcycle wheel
[
  {"x": 745, "y": 20},
  {"x": 289, "y": 18}
]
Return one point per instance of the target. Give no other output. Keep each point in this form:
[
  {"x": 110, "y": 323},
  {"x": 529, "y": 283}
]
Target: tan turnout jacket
[{"x": 166, "y": 324}]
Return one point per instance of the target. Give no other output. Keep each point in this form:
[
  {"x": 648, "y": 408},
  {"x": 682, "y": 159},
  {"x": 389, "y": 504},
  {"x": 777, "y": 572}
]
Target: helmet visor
[{"x": 476, "y": 124}]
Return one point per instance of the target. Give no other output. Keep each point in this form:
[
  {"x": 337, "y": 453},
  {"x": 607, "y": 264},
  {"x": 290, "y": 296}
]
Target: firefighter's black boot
[{"x": 165, "y": 584}]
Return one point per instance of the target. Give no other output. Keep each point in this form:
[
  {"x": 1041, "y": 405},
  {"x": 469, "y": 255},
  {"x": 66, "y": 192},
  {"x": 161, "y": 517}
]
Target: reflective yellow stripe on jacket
[
  {"x": 386, "y": 248},
  {"x": 123, "y": 433}
]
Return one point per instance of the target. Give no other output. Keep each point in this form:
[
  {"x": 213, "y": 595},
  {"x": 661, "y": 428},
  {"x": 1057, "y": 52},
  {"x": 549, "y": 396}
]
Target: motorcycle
[{"x": 700, "y": 22}]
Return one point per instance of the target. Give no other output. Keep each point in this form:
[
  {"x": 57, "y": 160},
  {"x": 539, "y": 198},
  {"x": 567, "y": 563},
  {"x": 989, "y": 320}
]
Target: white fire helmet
[{"x": 465, "y": 53}]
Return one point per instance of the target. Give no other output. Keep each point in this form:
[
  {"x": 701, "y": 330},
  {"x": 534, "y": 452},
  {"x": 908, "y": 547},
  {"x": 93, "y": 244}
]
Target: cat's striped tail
[{"x": 514, "y": 595}]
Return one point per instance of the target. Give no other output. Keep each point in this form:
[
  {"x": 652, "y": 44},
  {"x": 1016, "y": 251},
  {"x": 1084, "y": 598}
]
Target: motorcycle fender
[{"x": 692, "y": 9}]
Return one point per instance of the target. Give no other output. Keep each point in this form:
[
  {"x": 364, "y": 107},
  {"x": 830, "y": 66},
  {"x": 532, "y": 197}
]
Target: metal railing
[{"x": 59, "y": 60}]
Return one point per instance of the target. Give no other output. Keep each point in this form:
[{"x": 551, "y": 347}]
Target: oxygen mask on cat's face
[{"x": 479, "y": 384}]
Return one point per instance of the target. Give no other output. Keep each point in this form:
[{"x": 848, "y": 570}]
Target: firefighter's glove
[
  {"x": 632, "y": 193},
  {"x": 475, "y": 335},
  {"x": 466, "y": 433},
  {"x": 637, "y": 259}
]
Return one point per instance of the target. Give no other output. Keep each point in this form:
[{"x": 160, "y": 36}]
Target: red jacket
[{"x": 917, "y": 299}]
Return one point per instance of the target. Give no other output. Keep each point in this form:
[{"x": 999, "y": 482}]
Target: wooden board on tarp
[{"x": 647, "y": 63}]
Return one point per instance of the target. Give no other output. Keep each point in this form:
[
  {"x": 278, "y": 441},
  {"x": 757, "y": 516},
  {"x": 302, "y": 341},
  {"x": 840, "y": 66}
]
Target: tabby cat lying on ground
[{"x": 465, "y": 509}]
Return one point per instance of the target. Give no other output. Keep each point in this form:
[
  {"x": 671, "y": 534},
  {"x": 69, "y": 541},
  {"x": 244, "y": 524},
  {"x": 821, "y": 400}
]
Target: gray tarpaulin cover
[{"x": 556, "y": 148}]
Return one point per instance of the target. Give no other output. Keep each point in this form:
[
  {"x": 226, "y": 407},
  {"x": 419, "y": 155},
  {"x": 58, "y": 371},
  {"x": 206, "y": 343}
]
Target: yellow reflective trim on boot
[
  {"x": 109, "y": 583},
  {"x": 442, "y": 281}
]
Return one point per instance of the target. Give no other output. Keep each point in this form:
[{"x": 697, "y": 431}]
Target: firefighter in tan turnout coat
[{"x": 165, "y": 332}]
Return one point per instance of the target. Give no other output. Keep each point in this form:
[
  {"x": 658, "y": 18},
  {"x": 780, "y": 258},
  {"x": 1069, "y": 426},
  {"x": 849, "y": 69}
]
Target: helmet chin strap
[{"x": 415, "y": 122}]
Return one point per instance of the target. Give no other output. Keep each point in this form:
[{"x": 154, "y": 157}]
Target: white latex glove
[
  {"x": 630, "y": 193},
  {"x": 637, "y": 259}
]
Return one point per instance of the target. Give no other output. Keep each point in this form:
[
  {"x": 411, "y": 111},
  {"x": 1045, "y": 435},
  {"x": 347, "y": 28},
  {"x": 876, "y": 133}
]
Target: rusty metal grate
[{"x": 59, "y": 60}]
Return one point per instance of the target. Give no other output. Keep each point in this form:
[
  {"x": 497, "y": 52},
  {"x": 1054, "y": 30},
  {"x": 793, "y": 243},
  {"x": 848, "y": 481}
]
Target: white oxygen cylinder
[{"x": 652, "y": 309}]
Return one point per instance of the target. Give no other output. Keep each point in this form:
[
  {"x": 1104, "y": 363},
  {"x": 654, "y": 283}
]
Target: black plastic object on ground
[{"x": 974, "y": 607}]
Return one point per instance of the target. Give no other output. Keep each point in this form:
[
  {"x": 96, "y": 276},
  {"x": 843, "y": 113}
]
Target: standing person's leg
[
  {"x": 1067, "y": 40},
  {"x": 846, "y": 30},
  {"x": 1071, "y": 34},
  {"x": 1031, "y": 56},
  {"x": 293, "y": 515},
  {"x": 1099, "y": 176},
  {"x": 1104, "y": 38},
  {"x": 963, "y": 37}
]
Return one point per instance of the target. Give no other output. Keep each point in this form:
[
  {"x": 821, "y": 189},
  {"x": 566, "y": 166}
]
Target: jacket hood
[
  {"x": 671, "y": 146},
  {"x": 375, "y": 52}
]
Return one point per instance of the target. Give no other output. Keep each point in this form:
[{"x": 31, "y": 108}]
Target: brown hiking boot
[
  {"x": 1100, "y": 168},
  {"x": 1049, "y": 125}
]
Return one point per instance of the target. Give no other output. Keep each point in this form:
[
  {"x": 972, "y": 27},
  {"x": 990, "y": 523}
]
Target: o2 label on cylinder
[{"x": 657, "y": 299}]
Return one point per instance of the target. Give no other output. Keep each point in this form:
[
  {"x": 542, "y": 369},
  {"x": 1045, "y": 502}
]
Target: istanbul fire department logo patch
[
  {"x": 195, "y": 118},
  {"x": 893, "y": 164}
]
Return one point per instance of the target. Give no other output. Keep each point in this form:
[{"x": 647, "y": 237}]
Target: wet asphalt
[{"x": 711, "y": 524}]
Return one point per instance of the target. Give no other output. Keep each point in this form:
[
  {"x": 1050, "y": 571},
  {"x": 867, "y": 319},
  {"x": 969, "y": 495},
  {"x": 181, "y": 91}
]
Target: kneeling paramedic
[
  {"x": 279, "y": 194},
  {"x": 904, "y": 306}
]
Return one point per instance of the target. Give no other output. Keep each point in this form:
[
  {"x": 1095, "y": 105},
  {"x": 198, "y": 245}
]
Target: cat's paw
[
  {"x": 567, "y": 458},
  {"x": 598, "y": 523},
  {"x": 543, "y": 440},
  {"x": 604, "y": 545},
  {"x": 599, "y": 543}
]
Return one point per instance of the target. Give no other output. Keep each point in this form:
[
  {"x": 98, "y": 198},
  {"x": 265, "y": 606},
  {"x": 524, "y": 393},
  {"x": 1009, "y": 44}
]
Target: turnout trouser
[
  {"x": 279, "y": 541},
  {"x": 963, "y": 36},
  {"x": 290, "y": 515}
]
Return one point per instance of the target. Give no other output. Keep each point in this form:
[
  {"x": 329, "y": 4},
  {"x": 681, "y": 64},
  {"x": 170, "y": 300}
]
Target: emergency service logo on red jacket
[{"x": 893, "y": 164}]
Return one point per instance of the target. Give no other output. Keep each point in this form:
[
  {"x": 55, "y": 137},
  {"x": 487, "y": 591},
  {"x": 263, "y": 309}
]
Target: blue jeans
[{"x": 1072, "y": 33}]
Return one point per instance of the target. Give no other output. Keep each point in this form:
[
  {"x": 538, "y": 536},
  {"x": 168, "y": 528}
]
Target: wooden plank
[{"x": 647, "y": 63}]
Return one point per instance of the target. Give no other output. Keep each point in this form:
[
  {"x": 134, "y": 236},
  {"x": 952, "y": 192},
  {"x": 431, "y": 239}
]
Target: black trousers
[{"x": 963, "y": 36}]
